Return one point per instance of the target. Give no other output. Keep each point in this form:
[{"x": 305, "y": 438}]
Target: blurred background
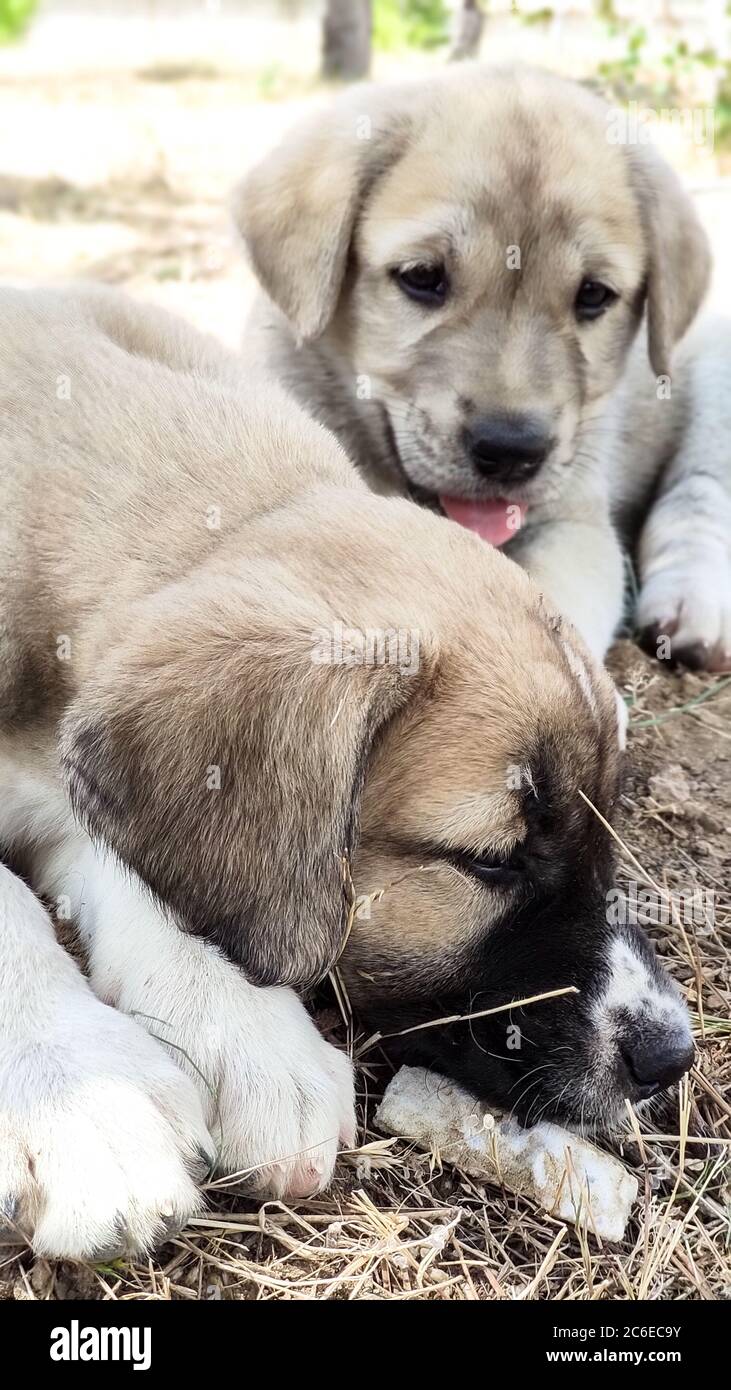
[{"x": 125, "y": 123}]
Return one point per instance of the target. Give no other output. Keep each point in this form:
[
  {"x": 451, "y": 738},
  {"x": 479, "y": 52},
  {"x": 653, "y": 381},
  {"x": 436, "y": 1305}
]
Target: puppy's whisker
[{"x": 545, "y": 1066}]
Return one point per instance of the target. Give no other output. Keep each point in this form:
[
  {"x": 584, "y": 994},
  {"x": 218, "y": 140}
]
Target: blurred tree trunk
[
  {"x": 346, "y": 39},
  {"x": 469, "y": 31}
]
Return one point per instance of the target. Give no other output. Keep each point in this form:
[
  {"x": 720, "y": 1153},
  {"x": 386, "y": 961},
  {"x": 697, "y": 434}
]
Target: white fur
[
  {"x": 622, "y": 720},
  {"x": 576, "y": 559},
  {"x": 277, "y": 1097},
  {"x": 99, "y": 1132},
  {"x": 684, "y": 548},
  {"x": 108, "y": 1114},
  {"x": 632, "y": 989},
  {"x": 686, "y": 591},
  {"x": 582, "y": 675}
]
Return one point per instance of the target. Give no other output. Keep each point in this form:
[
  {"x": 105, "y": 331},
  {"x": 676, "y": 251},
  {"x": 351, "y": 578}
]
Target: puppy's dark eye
[
  {"x": 592, "y": 299},
  {"x": 427, "y": 284}
]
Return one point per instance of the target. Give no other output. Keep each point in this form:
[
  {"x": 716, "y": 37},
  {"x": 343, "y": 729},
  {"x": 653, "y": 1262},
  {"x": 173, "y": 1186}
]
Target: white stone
[{"x": 567, "y": 1176}]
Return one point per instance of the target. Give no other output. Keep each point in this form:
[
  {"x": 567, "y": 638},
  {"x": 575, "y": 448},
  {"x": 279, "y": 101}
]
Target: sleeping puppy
[
  {"x": 232, "y": 681},
  {"x": 455, "y": 272}
]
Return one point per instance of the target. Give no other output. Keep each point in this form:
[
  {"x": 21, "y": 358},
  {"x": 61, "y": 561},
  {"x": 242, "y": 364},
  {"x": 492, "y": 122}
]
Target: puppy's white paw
[
  {"x": 278, "y": 1098},
  {"x": 101, "y": 1136},
  {"x": 285, "y": 1097},
  {"x": 684, "y": 614}
]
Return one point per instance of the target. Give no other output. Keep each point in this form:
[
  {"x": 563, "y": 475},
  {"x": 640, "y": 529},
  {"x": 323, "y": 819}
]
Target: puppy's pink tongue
[{"x": 495, "y": 520}]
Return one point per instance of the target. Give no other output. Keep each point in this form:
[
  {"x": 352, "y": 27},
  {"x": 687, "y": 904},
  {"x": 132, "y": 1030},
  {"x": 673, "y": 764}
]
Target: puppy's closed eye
[{"x": 497, "y": 869}]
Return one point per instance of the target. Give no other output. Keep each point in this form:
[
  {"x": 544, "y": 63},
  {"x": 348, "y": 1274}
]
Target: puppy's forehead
[{"x": 498, "y": 157}]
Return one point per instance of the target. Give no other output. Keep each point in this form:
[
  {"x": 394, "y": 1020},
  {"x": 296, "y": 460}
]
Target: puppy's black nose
[
  {"x": 656, "y": 1061},
  {"x": 512, "y": 447}
]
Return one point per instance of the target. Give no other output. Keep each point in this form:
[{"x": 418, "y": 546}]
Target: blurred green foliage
[
  {"x": 542, "y": 16},
  {"x": 629, "y": 75},
  {"x": 723, "y": 109},
  {"x": 672, "y": 77},
  {"x": 633, "y": 74},
  {"x": 410, "y": 24},
  {"x": 14, "y": 16},
  {"x": 620, "y": 75}
]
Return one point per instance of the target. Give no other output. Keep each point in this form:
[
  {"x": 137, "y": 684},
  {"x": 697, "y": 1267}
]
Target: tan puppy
[
  {"x": 456, "y": 269},
  {"x": 242, "y": 670}
]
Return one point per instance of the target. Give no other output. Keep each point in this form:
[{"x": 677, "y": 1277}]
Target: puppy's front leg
[
  {"x": 684, "y": 607},
  {"x": 578, "y": 564},
  {"x": 278, "y": 1098},
  {"x": 100, "y": 1134}
]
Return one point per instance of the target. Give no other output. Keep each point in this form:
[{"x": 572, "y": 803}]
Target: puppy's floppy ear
[
  {"x": 679, "y": 263},
  {"x": 297, "y": 210},
  {"x": 224, "y": 765}
]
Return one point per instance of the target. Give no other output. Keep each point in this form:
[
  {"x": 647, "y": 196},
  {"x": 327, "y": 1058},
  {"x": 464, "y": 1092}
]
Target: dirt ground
[{"x": 119, "y": 171}]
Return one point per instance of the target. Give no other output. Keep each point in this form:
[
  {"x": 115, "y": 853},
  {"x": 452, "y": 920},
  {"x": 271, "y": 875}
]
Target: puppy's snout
[
  {"x": 657, "y": 1060},
  {"x": 508, "y": 447}
]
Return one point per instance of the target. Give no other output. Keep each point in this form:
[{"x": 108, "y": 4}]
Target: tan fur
[{"x": 190, "y": 647}]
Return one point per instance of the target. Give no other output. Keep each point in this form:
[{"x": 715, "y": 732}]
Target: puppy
[
  {"x": 455, "y": 271},
  {"x": 232, "y": 681}
]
